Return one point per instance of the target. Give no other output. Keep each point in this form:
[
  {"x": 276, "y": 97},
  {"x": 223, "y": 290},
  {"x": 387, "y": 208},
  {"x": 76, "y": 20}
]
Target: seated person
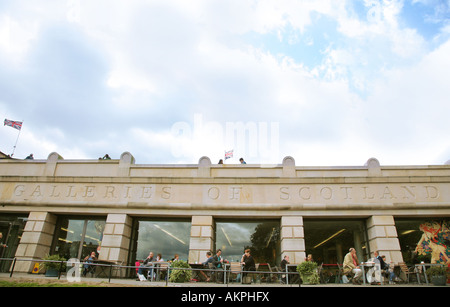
[
  {"x": 89, "y": 259},
  {"x": 206, "y": 265},
  {"x": 147, "y": 266},
  {"x": 385, "y": 267},
  {"x": 218, "y": 264},
  {"x": 351, "y": 266}
]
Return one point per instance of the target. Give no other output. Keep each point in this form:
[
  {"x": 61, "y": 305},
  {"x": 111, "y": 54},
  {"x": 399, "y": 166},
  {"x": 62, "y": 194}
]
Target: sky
[{"x": 329, "y": 83}]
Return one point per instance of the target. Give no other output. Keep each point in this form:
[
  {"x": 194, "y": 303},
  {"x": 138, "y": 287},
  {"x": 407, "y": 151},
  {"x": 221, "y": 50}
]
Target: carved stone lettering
[
  {"x": 37, "y": 192},
  {"x": 305, "y": 193},
  {"x": 89, "y": 191},
  {"x": 235, "y": 193},
  {"x": 19, "y": 190},
  {"x": 146, "y": 192},
  {"x": 284, "y": 193},
  {"x": 166, "y": 192},
  {"x": 369, "y": 193},
  {"x": 213, "y": 193},
  {"x": 326, "y": 193},
  {"x": 110, "y": 192},
  {"x": 432, "y": 192}
]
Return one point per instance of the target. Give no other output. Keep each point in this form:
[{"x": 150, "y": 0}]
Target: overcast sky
[{"x": 326, "y": 82}]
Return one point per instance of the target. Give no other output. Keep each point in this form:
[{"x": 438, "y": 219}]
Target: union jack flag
[
  {"x": 15, "y": 124},
  {"x": 228, "y": 154}
]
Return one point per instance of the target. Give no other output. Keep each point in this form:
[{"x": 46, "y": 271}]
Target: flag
[
  {"x": 228, "y": 154},
  {"x": 14, "y": 124}
]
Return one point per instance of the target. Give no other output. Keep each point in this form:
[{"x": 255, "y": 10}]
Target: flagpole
[{"x": 14, "y": 148}]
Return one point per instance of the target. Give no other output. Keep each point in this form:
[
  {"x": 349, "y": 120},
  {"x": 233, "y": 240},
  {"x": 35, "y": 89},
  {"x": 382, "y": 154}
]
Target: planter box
[
  {"x": 51, "y": 272},
  {"x": 308, "y": 279},
  {"x": 439, "y": 280}
]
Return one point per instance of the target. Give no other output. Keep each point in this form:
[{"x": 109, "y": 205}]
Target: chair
[
  {"x": 161, "y": 269},
  {"x": 117, "y": 268},
  {"x": 279, "y": 274},
  {"x": 405, "y": 271},
  {"x": 319, "y": 272},
  {"x": 264, "y": 267},
  {"x": 235, "y": 268},
  {"x": 216, "y": 273},
  {"x": 341, "y": 275}
]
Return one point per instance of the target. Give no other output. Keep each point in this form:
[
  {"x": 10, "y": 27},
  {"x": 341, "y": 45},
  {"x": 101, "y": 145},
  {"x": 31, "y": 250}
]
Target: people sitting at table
[
  {"x": 146, "y": 267},
  {"x": 351, "y": 266},
  {"x": 89, "y": 259},
  {"x": 385, "y": 267}
]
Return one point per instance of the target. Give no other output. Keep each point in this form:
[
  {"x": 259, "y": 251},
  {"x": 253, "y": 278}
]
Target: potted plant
[
  {"x": 179, "y": 275},
  {"x": 308, "y": 272},
  {"x": 53, "y": 265},
  {"x": 437, "y": 275}
]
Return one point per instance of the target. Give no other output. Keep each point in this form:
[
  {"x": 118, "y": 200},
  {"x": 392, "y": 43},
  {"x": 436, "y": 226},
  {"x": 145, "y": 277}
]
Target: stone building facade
[{"x": 119, "y": 192}]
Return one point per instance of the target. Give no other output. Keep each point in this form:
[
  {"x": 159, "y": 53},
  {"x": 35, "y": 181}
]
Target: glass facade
[
  {"x": 165, "y": 237},
  {"x": 11, "y": 228},
  {"x": 78, "y": 237},
  {"x": 329, "y": 240},
  {"x": 424, "y": 239},
  {"x": 262, "y": 237}
]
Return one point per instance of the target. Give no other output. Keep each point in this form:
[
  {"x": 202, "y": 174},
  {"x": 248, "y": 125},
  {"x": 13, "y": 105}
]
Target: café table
[
  {"x": 103, "y": 268},
  {"x": 370, "y": 265}
]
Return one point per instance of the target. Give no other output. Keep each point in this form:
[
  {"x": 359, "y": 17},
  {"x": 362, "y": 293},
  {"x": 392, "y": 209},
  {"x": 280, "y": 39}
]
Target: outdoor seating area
[{"x": 233, "y": 273}]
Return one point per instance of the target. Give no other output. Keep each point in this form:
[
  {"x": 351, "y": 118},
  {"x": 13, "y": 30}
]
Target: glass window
[
  {"x": 11, "y": 228},
  {"x": 424, "y": 239},
  {"x": 262, "y": 237},
  {"x": 329, "y": 240},
  {"x": 77, "y": 238},
  {"x": 162, "y": 237}
]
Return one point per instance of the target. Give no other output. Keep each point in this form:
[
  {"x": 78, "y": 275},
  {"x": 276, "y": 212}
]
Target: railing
[{"x": 75, "y": 266}]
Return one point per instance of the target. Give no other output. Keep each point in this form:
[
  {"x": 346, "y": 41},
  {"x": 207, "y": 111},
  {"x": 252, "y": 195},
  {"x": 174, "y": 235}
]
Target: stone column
[
  {"x": 292, "y": 238},
  {"x": 202, "y": 238},
  {"x": 383, "y": 237},
  {"x": 116, "y": 238},
  {"x": 36, "y": 239}
]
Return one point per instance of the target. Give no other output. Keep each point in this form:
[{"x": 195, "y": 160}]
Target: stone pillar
[
  {"x": 202, "y": 238},
  {"x": 383, "y": 237},
  {"x": 36, "y": 239},
  {"x": 125, "y": 163},
  {"x": 292, "y": 239},
  {"x": 116, "y": 238}
]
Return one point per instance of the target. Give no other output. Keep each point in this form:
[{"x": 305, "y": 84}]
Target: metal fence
[{"x": 75, "y": 266}]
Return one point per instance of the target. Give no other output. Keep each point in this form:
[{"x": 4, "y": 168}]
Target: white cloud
[{"x": 111, "y": 76}]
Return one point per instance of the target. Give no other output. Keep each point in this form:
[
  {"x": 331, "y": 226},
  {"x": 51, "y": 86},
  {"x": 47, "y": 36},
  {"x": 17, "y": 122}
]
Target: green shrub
[
  {"x": 179, "y": 275},
  {"x": 54, "y": 265}
]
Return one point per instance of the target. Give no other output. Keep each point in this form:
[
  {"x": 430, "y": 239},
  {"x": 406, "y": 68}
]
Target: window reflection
[
  {"x": 77, "y": 238},
  {"x": 163, "y": 237},
  {"x": 329, "y": 240},
  {"x": 262, "y": 237},
  {"x": 11, "y": 227}
]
